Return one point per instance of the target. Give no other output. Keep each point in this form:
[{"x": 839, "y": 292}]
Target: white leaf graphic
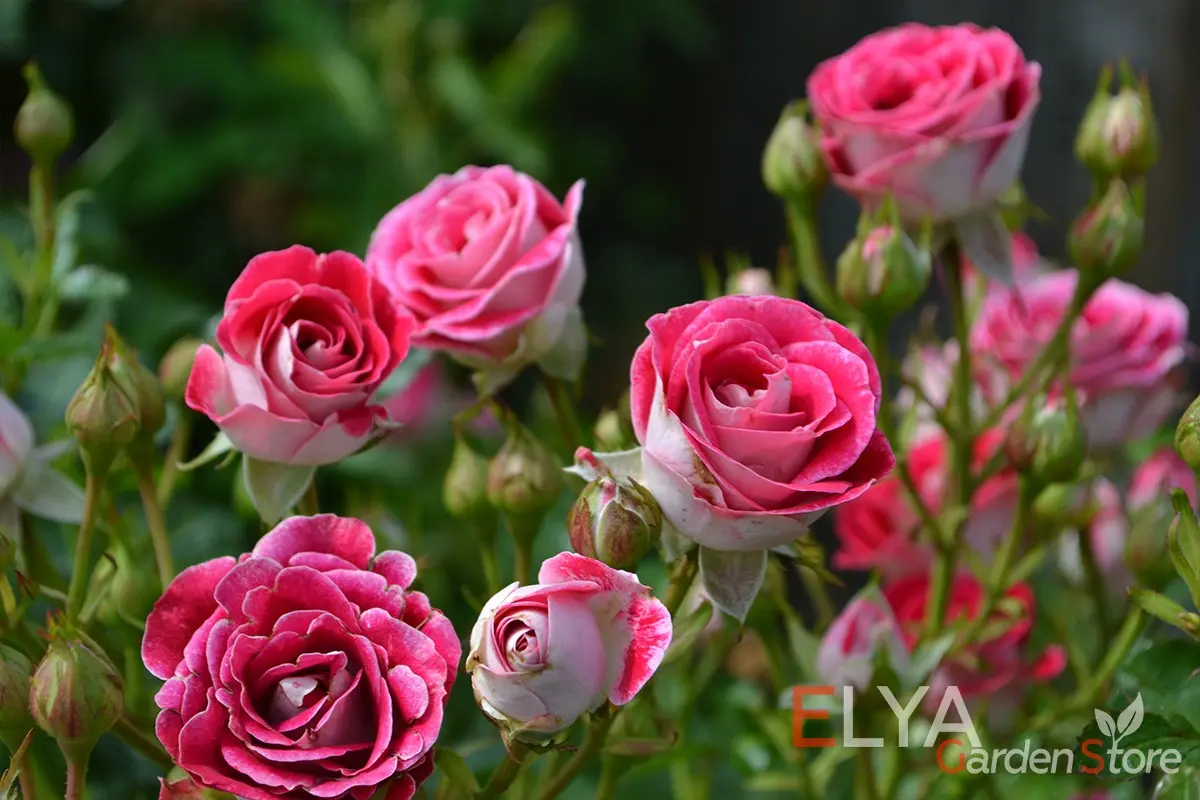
[
  {"x": 1131, "y": 718},
  {"x": 1107, "y": 726}
]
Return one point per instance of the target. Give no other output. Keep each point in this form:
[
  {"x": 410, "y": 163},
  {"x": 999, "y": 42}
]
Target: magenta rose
[
  {"x": 755, "y": 415},
  {"x": 307, "y": 341},
  {"x": 938, "y": 117},
  {"x": 585, "y": 634},
  {"x": 306, "y": 668},
  {"x": 490, "y": 264},
  {"x": 1155, "y": 477},
  {"x": 1127, "y": 350}
]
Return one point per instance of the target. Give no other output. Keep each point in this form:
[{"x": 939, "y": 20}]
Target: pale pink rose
[
  {"x": 938, "y": 117},
  {"x": 755, "y": 416},
  {"x": 1155, "y": 477},
  {"x": 16, "y": 443},
  {"x": 307, "y": 341},
  {"x": 1127, "y": 349},
  {"x": 1107, "y": 531},
  {"x": 854, "y": 641},
  {"x": 752, "y": 281},
  {"x": 490, "y": 264},
  {"x": 27, "y": 481},
  {"x": 543, "y": 655}
]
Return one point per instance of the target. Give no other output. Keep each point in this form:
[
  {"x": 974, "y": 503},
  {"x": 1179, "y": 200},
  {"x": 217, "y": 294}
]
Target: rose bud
[
  {"x": 44, "y": 126},
  {"x": 883, "y": 272},
  {"x": 1150, "y": 513},
  {"x": 15, "y": 719},
  {"x": 101, "y": 416},
  {"x": 753, "y": 281},
  {"x": 612, "y": 432},
  {"x": 615, "y": 521},
  {"x": 1108, "y": 236},
  {"x": 1118, "y": 135},
  {"x": 142, "y": 386},
  {"x": 792, "y": 166},
  {"x": 849, "y": 649},
  {"x": 1187, "y": 436},
  {"x": 176, "y": 366},
  {"x": 1051, "y": 446},
  {"x": 524, "y": 479},
  {"x": 543, "y": 655},
  {"x": 76, "y": 696},
  {"x": 464, "y": 489}
]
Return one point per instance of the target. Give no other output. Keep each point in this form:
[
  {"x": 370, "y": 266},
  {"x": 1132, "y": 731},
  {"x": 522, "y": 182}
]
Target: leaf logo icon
[
  {"x": 1106, "y": 724},
  {"x": 1131, "y": 718}
]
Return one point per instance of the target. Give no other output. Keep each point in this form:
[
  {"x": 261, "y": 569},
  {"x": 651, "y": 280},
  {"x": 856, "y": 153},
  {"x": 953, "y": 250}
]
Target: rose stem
[
  {"x": 156, "y": 524},
  {"x": 506, "y": 773},
  {"x": 681, "y": 581},
  {"x": 807, "y": 256},
  {"x": 76, "y": 778},
  {"x": 83, "y": 546},
  {"x": 962, "y": 442},
  {"x": 593, "y": 740},
  {"x": 25, "y": 778},
  {"x": 175, "y": 454},
  {"x": 310, "y": 506},
  {"x": 565, "y": 411},
  {"x": 1095, "y": 582}
]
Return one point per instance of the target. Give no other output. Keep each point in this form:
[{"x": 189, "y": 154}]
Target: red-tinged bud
[
  {"x": 1119, "y": 135},
  {"x": 101, "y": 416},
  {"x": 524, "y": 478},
  {"x": 75, "y": 696},
  {"x": 1107, "y": 238},
  {"x": 15, "y": 719},
  {"x": 616, "y": 520},
  {"x": 792, "y": 165},
  {"x": 141, "y": 386}
]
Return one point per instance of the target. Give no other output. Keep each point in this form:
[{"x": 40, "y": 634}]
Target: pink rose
[
  {"x": 996, "y": 661},
  {"x": 1126, "y": 350},
  {"x": 755, "y": 415},
  {"x": 852, "y": 644},
  {"x": 307, "y": 341},
  {"x": 937, "y": 117},
  {"x": 1107, "y": 530},
  {"x": 1155, "y": 477},
  {"x": 543, "y": 655},
  {"x": 306, "y": 668},
  {"x": 490, "y": 264}
]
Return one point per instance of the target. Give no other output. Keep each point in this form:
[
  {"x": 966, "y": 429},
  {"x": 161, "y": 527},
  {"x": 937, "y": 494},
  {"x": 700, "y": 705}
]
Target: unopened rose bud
[
  {"x": 101, "y": 416},
  {"x": 1051, "y": 446},
  {"x": 44, "y": 126},
  {"x": 792, "y": 164},
  {"x": 612, "y": 431},
  {"x": 524, "y": 478},
  {"x": 15, "y": 719},
  {"x": 616, "y": 520},
  {"x": 753, "y": 281},
  {"x": 1119, "y": 135},
  {"x": 1107, "y": 237},
  {"x": 75, "y": 696},
  {"x": 176, "y": 367},
  {"x": 464, "y": 489},
  {"x": 883, "y": 272},
  {"x": 1187, "y": 436},
  {"x": 141, "y": 386}
]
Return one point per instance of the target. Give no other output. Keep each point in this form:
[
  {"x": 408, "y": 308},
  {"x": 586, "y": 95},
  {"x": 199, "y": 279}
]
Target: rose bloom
[
  {"x": 879, "y": 529},
  {"x": 938, "y": 117},
  {"x": 1155, "y": 477},
  {"x": 306, "y": 668},
  {"x": 585, "y": 634},
  {"x": 307, "y": 340},
  {"x": 989, "y": 665},
  {"x": 853, "y": 642},
  {"x": 755, "y": 415},
  {"x": 490, "y": 264},
  {"x": 1107, "y": 530},
  {"x": 1127, "y": 349}
]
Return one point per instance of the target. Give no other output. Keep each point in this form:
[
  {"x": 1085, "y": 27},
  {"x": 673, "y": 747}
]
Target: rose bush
[
  {"x": 307, "y": 340},
  {"x": 306, "y": 668},
  {"x": 490, "y": 264},
  {"x": 755, "y": 415},
  {"x": 938, "y": 117},
  {"x": 585, "y": 634},
  {"x": 1126, "y": 349}
]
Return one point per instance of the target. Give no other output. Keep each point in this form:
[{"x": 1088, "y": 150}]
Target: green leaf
[
  {"x": 456, "y": 770},
  {"x": 687, "y": 631},
  {"x": 733, "y": 580},
  {"x": 90, "y": 283},
  {"x": 219, "y": 446},
  {"x": 274, "y": 489},
  {"x": 66, "y": 233},
  {"x": 1166, "y": 609}
]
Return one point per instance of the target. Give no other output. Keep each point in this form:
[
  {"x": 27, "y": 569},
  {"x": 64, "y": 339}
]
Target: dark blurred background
[{"x": 214, "y": 129}]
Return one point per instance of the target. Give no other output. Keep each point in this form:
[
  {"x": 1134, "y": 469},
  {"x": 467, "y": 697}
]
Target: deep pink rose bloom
[
  {"x": 584, "y": 634},
  {"x": 303, "y": 669},
  {"x": 307, "y": 341},
  {"x": 1155, "y": 477},
  {"x": 853, "y": 642},
  {"x": 991, "y": 664},
  {"x": 937, "y": 117},
  {"x": 490, "y": 264},
  {"x": 755, "y": 415},
  {"x": 1127, "y": 348}
]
